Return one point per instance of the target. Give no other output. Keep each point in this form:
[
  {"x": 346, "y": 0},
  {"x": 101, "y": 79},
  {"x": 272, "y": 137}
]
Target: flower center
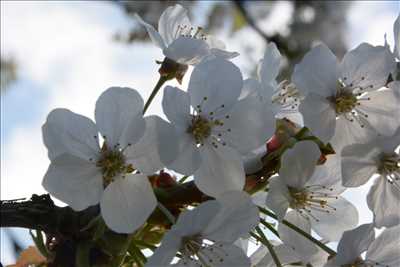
[
  {"x": 344, "y": 101},
  {"x": 112, "y": 163},
  {"x": 208, "y": 126},
  {"x": 299, "y": 198},
  {"x": 200, "y": 128},
  {"x": 287, "y": 95},
  {"x": 311, "y": 199},
  {"x": 190, "y": 32},
  {"x": 389, "y": 164},
  {"x": 191, "y": 244},
  {"x": 194, "y": 250}
]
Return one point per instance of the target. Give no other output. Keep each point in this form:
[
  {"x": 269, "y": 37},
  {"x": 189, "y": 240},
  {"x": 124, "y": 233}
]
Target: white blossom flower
[
  {"x": 205, "y": 235},
  {"x": 382, "y": 251},
  {"x": 282, "y": 99},
  {"x": 82, "y": 173},
  {"x": 279, "y": 100},
  {"x": 213, "y": 128},
  {"x": 180, "y": 41},
  {"x": 343, "y": 100},
  {"x": 361, "y": 161},
  {"x": 313, "y": 193}
]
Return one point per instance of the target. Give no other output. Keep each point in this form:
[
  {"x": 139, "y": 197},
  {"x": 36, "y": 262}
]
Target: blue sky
[{"x": 68, "y": 58}]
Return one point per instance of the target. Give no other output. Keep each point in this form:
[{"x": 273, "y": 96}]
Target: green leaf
[
  {"x": 83, "y": 253},
  {"x": 39, "y": 242},
  {"x": 99, "y": 230}
]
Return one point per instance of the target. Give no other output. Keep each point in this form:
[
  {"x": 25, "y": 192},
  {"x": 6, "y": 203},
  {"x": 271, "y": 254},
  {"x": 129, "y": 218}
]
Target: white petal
[
  {"x": 298, "y": 163},
  {"x": 317, "y": 72},
  {"x": 353, "y": 243},
  {"x": 258, "y": 256},
  {"x": 68, "y": 132},
  {"x": 278, "y": 197},
  {"x": 331, "y": 225},
  {"x": 318, "y": 259},
  {"x": 127, "y": 203},
  {"x": 358, "y": 164},
  {"x": 396, "y": 33},
  {"x": 319, "y": 116},
  {"x": 385, "y": 248},
  {"x": 329, "y": 175},
  {"x": 187, "y": 51},
  {"x": 176, "y": 106},
  {"x": 216, "y": 52},
  {"x": 251, "y": 87},
  {"x": 270, "y": 64},
  {"x": 285, "y": 255},
  {"x": 119, "y": 109},
  {"x": 215, "y": 83},
  {"x": 224, "y": 255},
  {"x": 389, "y": 144},
  {"x": 170, "y": 20},
  {"x": 195, "y": 221},
  {"x": 157, "y": 148},
  {"x": 243, "y": 243},
  {"x": 154, "y": 35},
  {"x": 221, "y": 171},
  {"x": 214, "y": 42},
  {"x": 367, "y": 67},
  {"x": 188, "y": 159},
  {"x": 259, "y": 198},
  {"x": 302, "y": 246},
  {"x": 250, "y": 124},
  {"x": 237, "y": 216},
  {"x": 350, "y": 132},
  {"x": 252, "y": 161},
  {"x": 382, "y": 110},
  {"x": 74, "y": 181},
  {"x": 384, "y": 201},
  {"x": 164, "y": 254}
]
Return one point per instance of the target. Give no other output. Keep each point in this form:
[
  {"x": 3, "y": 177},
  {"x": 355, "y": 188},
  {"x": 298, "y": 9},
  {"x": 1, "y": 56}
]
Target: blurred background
[{"x": 65, "y": 54}]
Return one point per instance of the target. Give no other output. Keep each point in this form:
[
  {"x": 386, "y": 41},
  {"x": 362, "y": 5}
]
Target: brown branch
[{"x": 40, "y": 212}]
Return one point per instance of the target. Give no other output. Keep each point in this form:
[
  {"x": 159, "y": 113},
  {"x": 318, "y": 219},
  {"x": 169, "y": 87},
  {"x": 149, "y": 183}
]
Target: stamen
[
  {"x": 311, "y": 199},
  {"x": 112, "y": 163}
]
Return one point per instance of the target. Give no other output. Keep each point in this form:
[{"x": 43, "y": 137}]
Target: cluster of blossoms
[{"x": 217, "y": 131}]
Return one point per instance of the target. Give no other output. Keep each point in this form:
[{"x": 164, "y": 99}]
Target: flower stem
[
  {"x": 269, "y": 226},
  {"x": 327, "y": 249},
  {"x": 263, "y": 239},
  {"x": 166, "y": 212},
  {"x": 160, "y": 82},
  {"x": 141, "y": 243}
]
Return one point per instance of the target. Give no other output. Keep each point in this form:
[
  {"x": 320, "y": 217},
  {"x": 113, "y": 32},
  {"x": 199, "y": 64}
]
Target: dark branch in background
[
  {"x": 8, "y": 72},
  {"x": 277, "y": 39}
]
